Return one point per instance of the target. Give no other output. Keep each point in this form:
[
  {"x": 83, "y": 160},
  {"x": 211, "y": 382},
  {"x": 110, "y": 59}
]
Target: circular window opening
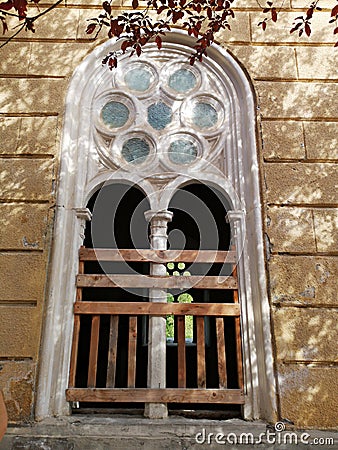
[
  {"x": 182, "y": 151},
  {"x": 204, "y": 115},
  {"x": 182, "y": 81},
  {"x": 159, "y": 115},
  {"x": 135, "y": 150},
  {"x": 138, "y": 79},
  {"x": 115, "y": 114}
]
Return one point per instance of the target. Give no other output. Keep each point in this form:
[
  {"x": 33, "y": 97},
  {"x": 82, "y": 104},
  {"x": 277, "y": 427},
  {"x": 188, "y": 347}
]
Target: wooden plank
[
  {"x": 238, "y": 339},
  {"x": 76, "y": 334},
  {"x": 93, "y": 351},
  {"x": 226, "y": 396},
  {"x": 74, "y": 352},
  {"x": 222, "y": 371},
  {"x": 157, "y": 256},
  {"x": 181, "y": 358},
  {"x": 112, "y": 352},
  {"x": 156, "y": 282},
  {"x": 132, "y": 346},
  {"x": 201, "y": 373},
  {"x": 157, "y": 309}
]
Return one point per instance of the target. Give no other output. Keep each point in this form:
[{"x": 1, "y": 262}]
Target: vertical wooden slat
[
  {"x": 76, "y": 333},
  {"x": 112, "y": 352},
  {"x": 238, "y": 338},
  {"x": 132, "y": 346},
  {"x": 181, "y": 360},
  {"x": 222, "y": 370},
  {"x": 201, "y": 374},
  {"x": 93, "y": 351}
]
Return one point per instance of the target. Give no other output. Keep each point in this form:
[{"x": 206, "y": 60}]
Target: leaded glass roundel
[
  {"x": 182, "y": 80},
  {"x": 204, "y": 115},
  {"x": 182, "y": 151},
  {"x": 115, "y": 114},
  {"x": 135, "y": 150},
  {"x": 138, "y": 79},
  {"x": 159, "y": 115}
]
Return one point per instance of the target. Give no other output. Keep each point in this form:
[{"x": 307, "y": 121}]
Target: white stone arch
[{"x": 82, "y": 172}]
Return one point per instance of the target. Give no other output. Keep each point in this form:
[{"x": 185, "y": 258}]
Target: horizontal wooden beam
[
  {"x": 140, "y": 395},
  {"x": 157, "y": 309},
  {"x": 152, "y": 282},
  {"x": 157, "y": 256}
]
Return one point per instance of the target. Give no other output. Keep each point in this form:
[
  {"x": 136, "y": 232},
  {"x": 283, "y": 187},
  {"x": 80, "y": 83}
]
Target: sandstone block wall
[{"x": 295, "y": 84}]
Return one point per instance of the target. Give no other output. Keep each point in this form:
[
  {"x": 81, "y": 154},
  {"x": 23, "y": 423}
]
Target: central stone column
[{"x": 157, "y": 325}]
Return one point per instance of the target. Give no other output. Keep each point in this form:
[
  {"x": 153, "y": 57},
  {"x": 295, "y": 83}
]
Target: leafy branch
[
  {"x": 27, "y": 23},
  {"x": 202, "y": 19}
]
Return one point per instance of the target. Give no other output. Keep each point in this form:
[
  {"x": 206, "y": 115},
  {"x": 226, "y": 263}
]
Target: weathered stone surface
[
  {"x": 240, "y": 29},
  {"x": 17, "y": 384},
  {"x": 313, "y": 183},
  {"x": 309, "y": 395},
  {"x": 19, "y": 180},
  {"x": 17, "y": 65},
  {"x": 66, "y": 57},
  {"x": 24, "y": 226},
  {"x": 28, "y": 135},
  {"x": 321, "y": 140},
  {"x": 283, "y": 140},
  {"x": 33, "y": 96},
  {"x": 20, "y": 331},
  {"x": 266, "y": 62},
  {"x": 63, "y": 26},
  {"x": 325, "y": 62},
  {"x": 322, "y": 31},
  {"x": 306, "y": 280},
  {"x": 134, "y": 433},
  {"x": 38, "y": 135},
  {"x": 326, "y": 229},
  {"x": 9, "y": 134},
  {"x": 297, "y": 99},
  {"x": 291, "y": 230},
  {"x": 305, "y": 334},
  {"x": 23, "y": 278}
]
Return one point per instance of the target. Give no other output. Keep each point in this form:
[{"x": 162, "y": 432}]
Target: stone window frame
[{"x": 83, "y": 170}]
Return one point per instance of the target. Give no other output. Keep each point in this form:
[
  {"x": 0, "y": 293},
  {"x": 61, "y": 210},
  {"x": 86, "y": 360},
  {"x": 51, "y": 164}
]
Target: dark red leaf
[
  {"x": 264, "y": 26},
  {"x": 274, "y": 15},
  {"x": 192, "y": 61},
  {"x": 266, "y": 10},
  {"x": 335, "y": 31},
  {"x": 307, "y": 29},
  {"x": 336, "y": 44},
  {"x": 158, "y": 41},
  {"x": 309, "y": 13},
  {"x": 106, "y": 6},
  {"x": 91, "y": 27},
  {"x": 4, "y": 25},
  {"x": 269, "y": 3},
  {"x": 6, "y": 6},
  {"x": 138, "y": 50},
  {"x": 135, "y": 4},
  {"x": 334, "y": 11},
  {"x": 21, "y": 7}
]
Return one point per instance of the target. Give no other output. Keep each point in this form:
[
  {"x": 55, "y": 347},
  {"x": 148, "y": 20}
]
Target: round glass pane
[
  {"x": 159, "y": 115},
  {"x": 115, "y": 114},
  {"x": 183, "y": 80},
  {"x": 204, "y": 115},
  {"x": 182, "y": 151},
  {"x": 138, "y": 79},
  {"x": 135, "y": 150}
]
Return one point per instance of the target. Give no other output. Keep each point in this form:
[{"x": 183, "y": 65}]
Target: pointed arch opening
[{"x": 121, "y": 140}]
